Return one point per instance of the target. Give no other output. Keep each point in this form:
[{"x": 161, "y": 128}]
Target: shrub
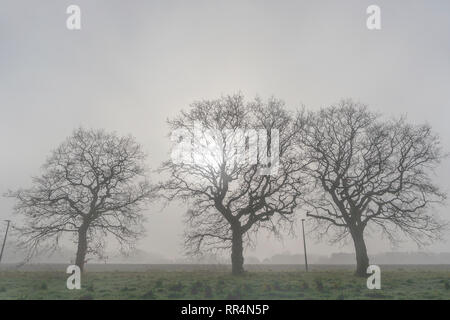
[
  {"x": 304, "y": 285},
  {"x": 125, "y": 289},
  {"x": 149, "y": 295},
  {"x": 235, "y": 294},
  {"x": 195, "y": 287},
  {"x": 174, "y": 295},
  {"x": 208, "y": 292},
  {"x": 176, "y": 287},
  {"x": 319, "y": 284},
  {"x": 276, "y": 285},
  {"x": 248, "y": 287},
  {"x": 159, "y": 283},
  {"x": 220, "y": 286},
  {"x": 221, "y": 283}
]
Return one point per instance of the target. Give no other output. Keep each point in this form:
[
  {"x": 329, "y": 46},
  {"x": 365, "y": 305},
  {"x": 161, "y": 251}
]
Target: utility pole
[
  {"x": 4, "y": 239},
  {"x": 304, "y": 246}
]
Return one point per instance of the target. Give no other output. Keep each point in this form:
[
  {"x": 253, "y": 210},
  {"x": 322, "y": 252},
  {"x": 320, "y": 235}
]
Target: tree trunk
[
  {"x": 237, "y": 257},
  {"x": 82, "y": 247},
  {"x": 362, "y": 260}
]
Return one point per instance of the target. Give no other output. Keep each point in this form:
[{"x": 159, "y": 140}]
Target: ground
[{"x": 212, "y": 282}]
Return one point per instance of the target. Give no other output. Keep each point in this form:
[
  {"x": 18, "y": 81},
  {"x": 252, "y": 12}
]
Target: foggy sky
[{"x": 136, "y": 63}]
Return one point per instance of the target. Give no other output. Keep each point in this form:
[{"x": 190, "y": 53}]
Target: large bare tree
[
  {"x": 370, "y": 173},
  {"x": 93, "y": 185},
  {"x": 233, "y": 164}
]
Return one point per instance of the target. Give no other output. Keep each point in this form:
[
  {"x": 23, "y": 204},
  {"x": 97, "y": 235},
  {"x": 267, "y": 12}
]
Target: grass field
[{"x": 268, "y": 282}]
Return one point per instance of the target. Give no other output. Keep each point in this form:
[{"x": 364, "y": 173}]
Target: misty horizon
[{"x": 130, "y": 75}]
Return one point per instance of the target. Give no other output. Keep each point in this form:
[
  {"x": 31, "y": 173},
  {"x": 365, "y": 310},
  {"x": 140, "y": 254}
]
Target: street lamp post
[
  {"x": 304, "y": 245},
  {"x": 4, "y": 239}
]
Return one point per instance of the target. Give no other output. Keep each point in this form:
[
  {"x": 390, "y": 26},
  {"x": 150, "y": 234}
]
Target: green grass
[{"x": 339, "y": 284}]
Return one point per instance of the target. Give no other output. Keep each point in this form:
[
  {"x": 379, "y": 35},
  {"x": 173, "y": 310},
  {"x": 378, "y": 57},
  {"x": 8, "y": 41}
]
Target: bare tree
[
  {"x": 93, "y": 185},
  {"x": 370, "y": 172},
  {"x": 239, "y": 174}
]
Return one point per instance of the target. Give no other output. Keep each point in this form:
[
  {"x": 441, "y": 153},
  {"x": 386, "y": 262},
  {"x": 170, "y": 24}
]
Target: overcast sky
[{"x": 136, "y": 63}]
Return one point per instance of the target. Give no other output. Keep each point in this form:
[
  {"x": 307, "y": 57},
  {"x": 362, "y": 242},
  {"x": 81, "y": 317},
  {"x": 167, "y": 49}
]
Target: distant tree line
[{"x": 350, "y": 169}]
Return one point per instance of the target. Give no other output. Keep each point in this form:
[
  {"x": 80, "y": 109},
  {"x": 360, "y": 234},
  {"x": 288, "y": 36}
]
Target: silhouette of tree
[
  {"x": 370, "y": 172},
  {"x": 232, "y": 187},
  {"x": 93, "y": 185}
]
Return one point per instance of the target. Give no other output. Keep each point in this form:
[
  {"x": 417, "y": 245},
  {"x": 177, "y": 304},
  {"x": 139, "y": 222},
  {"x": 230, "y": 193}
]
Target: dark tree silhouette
[
  {"x": 370, "y": 172},
  {"x": 93, "y": 185},
  {"x": 233, "y": 181}
]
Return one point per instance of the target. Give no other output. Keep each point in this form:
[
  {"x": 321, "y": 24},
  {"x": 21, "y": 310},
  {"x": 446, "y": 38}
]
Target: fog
[{"x": 136, "y": 63}]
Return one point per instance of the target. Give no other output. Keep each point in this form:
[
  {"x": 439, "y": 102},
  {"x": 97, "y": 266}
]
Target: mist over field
[
  {"x": 14, "y": 259},
  {"x": 133, "y": 65},
  {"x": 223, "y": 151}
]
